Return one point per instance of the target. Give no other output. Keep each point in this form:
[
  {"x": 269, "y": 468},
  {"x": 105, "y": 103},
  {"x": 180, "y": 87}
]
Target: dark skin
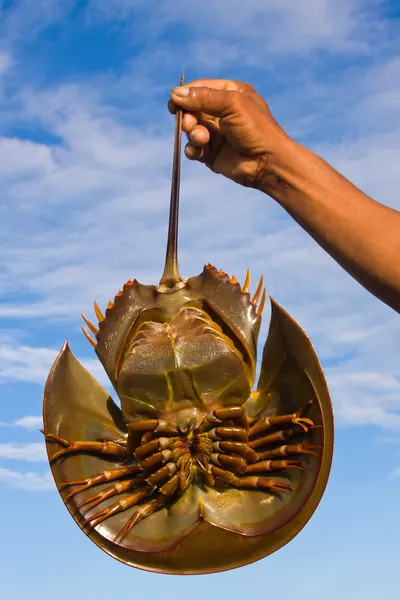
[{"x": 231, "y": 130}]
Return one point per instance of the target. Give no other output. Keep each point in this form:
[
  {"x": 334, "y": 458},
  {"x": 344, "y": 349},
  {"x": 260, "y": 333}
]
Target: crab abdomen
[{"x": 187, "y": 361}]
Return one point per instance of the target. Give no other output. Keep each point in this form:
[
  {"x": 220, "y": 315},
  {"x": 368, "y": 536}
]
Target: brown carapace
[{"x": 194, "y": 472}]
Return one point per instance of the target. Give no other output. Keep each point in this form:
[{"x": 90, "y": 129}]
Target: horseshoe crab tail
[{"x": 171, "y": 276}]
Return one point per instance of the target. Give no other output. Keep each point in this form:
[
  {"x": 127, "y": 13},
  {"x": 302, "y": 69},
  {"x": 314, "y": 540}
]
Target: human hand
[{"x": 229, "y": 128}]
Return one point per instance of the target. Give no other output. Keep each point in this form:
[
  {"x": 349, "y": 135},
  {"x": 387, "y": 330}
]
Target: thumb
[{"x": 218, "y": 103}]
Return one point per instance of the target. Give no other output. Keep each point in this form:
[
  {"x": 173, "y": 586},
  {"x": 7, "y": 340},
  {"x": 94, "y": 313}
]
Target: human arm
[{"x": 231, "y": 129}]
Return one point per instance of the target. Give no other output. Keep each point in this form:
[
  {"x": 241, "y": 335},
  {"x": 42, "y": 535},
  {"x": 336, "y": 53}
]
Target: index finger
[
  {"x": 222, "y": 84},
  {"x": 230, "y": 85}
]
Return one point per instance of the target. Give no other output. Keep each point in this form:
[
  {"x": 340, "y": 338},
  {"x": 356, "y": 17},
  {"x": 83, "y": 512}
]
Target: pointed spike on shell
[
  {"x": 98, "y": 312},
  {"x": 92, "y": 328},
  {"x": 246, "y": 284},
  {"x": 262, "y": 303},
  {"x": 257, "y": 293},
  {"x": 110, "y": 304},
  {"x": 120, "y": 293},
  {"x": 87, "y": 336},
  {"x": 233, "y": 279}
]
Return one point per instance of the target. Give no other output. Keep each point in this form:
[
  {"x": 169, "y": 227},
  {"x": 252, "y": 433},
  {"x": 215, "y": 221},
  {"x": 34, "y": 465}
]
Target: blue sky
[{"x": 85, "y": 159}]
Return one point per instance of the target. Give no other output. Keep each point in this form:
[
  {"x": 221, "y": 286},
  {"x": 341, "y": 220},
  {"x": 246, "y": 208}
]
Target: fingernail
[{"x": 181, "y": 91}]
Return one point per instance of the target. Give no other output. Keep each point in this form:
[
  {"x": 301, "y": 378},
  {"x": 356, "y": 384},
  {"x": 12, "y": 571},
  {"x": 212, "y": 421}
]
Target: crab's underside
[{"x": 194, "y": 472}]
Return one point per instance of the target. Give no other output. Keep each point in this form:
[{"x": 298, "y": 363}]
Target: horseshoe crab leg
[
  {"x": 273, "y": 438},
  {"x": 97, "y": 479},
  {"x": 266, "y": 423},
  {"x": 137, "y": 430},
  {"x": 168, "y": 489},
  {"x": 251, "y": 482},
  {"x": 289, "y": 450},
  {"x": 110, "y": 492},
  {"x": 144, "y": 511},
  {"x": 274, "y": 465},
  {"x": 106, "y": 447},
  {"x": 118, "y": 507}
]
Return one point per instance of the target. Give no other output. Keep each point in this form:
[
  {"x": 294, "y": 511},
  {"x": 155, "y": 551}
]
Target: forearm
[{"x": 362, "y": 235}]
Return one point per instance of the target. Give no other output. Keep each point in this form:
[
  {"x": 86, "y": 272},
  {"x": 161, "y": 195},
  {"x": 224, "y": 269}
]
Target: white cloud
[
  {"x": 31, "y": 452},
  {"x": 19, "y": 362},
  {"x": 395, "y": 472},
  {"x": 5, "y": 61},
  {"x": 392, "y": 439},
  {"x": 371, "y": 161},
  {"x": 255, "y": 28},
  {"x": 24, "y": 19},
  {"x": 24, "y": 363},
  {"x": 29, "y": 422},
  {"x": 31, "y": 482},
  {"x": 22, "y": 157}
]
